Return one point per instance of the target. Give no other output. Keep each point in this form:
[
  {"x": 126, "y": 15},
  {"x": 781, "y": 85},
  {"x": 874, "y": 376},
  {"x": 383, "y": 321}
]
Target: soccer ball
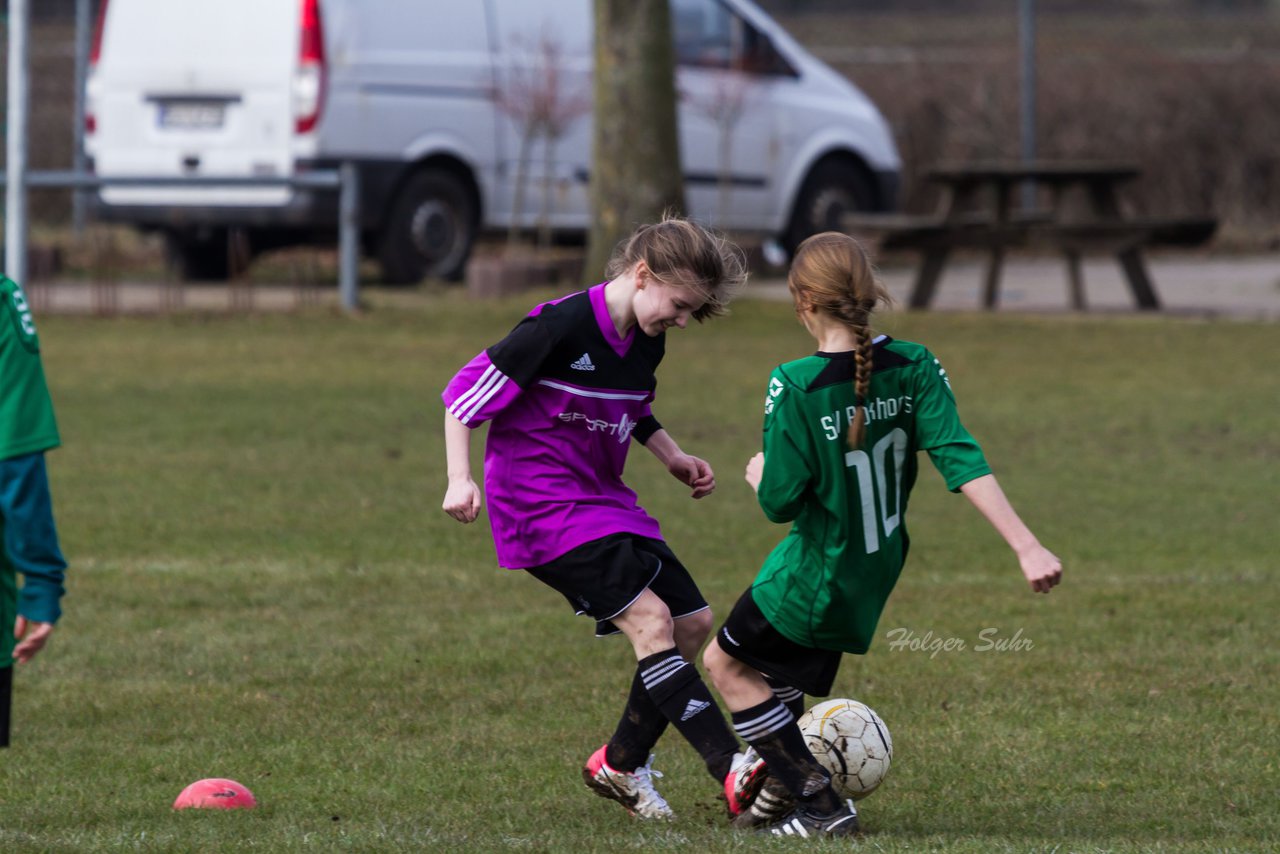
[
  {"x": 215, "y": 793},
  {"x": 851, "y": 742}
]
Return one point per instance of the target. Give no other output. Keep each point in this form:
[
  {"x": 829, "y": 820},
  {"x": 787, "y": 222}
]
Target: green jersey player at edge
[
  {"x": 842, "y": 428},
  {"x": 28, "y": 537}
]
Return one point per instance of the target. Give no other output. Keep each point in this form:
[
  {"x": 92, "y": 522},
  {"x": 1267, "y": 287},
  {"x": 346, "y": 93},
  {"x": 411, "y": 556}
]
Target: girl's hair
[
  {"x": 832, "y": 272},
  {"x": 683, "y": 254}
]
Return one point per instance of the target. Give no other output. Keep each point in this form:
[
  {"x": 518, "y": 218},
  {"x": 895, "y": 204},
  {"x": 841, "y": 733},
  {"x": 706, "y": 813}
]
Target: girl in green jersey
[
  {"x": 841, "y": 432},
  {"x": 28, "y": 538}
]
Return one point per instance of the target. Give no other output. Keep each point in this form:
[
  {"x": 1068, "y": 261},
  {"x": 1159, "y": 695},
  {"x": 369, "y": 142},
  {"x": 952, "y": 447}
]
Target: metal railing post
[
  {"x": 19, "y": 90},
  {"x": 349, "y": 237},
  {"x": 79, "y": 198},
  {"x": 1027, "y": 100}
]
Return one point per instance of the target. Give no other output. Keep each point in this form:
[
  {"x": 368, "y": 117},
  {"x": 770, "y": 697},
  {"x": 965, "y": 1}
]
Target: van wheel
[
  {"x": 429, "y": 231},
  {"x": 834, "y": 188},
  {"x": 203, "y": 256}
]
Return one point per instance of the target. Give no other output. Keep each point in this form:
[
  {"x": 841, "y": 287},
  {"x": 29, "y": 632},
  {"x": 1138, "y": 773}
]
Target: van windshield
[
  {"x": 710, "y": 35},
  {"x": 703, "y": 33}
]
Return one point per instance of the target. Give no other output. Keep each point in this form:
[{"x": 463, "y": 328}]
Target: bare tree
[
  {"x": 635, "y": 172},
  {"x": 723, "y": 105},
  {"x": 564, "y": 105},
  {"x": 540, "y": 103}
]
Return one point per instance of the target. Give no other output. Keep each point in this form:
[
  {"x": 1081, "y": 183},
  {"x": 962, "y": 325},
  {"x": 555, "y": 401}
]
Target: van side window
[{"x": 708, "y": 35}]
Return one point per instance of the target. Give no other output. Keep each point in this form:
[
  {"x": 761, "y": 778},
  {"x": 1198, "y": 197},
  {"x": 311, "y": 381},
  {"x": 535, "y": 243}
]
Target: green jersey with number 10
[{"x": 825, "y": 585}]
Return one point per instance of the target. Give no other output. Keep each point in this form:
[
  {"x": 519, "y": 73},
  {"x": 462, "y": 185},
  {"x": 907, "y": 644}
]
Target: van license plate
[{"x": 191, "y": 115}]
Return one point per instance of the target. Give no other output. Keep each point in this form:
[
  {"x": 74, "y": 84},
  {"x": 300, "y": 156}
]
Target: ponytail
[
  {"x": 862, "y": 356},
  {"x": 831, "y": 271}
]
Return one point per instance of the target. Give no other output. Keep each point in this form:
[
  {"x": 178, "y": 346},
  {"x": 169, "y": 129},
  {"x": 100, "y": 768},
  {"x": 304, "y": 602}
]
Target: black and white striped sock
[
  {"x": 639, "y": 728},
  {"x": 792, "y": 698},
  {"x": 771, "y": 729},
  {"x": 676, "y": 688}
]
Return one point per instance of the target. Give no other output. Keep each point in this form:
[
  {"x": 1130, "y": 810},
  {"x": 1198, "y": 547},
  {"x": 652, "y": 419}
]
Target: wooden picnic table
[{"x": 1078, "y": 211}]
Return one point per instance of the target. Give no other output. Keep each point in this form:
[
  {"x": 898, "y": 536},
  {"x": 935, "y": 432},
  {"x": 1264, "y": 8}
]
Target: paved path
[{"x": 1246, "y": 288}]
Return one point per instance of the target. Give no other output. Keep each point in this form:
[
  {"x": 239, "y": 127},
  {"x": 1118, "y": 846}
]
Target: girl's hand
[
  {"x": 462, "y": 500},
  {"x": 31, "y": 638},
  {"x": 693, "y": 472},
  {"x": 1041, "y": 567},
  {"x": 755, "y": 471}
]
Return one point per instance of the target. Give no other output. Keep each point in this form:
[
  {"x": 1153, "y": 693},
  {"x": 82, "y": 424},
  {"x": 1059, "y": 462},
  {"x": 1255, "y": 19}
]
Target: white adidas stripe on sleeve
[{"x": 471, "y": 401}]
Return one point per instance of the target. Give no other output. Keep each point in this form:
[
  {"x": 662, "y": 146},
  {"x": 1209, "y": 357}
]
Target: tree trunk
[{"x": 635, "y": 170}]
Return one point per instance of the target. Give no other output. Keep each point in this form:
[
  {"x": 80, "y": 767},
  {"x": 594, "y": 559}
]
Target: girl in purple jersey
[{"x": 564, "y": 394}]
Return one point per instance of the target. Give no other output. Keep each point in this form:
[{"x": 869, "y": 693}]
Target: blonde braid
[
  {"x": 832, "y": 272},
  {"x": 862, "y": 358},
  {"x": 855, "y": 311}
]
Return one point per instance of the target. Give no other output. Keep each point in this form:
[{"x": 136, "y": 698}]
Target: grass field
[{"x": 264, "y": 588}]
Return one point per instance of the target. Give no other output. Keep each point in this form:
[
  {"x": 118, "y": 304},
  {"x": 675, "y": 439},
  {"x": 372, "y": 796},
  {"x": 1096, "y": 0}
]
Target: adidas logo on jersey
[
  {"x": 693, "y": 708},
  {"x": 584, "y": 363}
]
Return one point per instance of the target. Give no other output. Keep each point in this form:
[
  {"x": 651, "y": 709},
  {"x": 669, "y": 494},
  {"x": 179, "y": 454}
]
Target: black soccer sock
[
  {"x": 792, "y": 698},
  {"x": 676, "y": 688},
  {"x": 641, "y": 725},
  {"x": 771, "y": 729}
]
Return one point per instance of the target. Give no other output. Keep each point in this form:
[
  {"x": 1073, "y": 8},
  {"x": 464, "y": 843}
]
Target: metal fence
[{"x": 345, "y": 181}]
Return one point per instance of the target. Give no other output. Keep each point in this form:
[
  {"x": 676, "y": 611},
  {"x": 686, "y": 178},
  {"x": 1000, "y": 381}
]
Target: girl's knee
[
  {"x": 691, "y": 633},
  {"x": 648, "y": 624},
  {"x": 714, "y": 659},
  {"x": 696, "y": 626},
  {"x": 647, "y": 609},
  {"x": 655, "y": 625}
]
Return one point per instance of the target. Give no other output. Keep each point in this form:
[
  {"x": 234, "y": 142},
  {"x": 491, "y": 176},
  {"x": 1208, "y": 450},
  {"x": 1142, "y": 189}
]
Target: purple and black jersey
[{"x": 564, "y": 395}]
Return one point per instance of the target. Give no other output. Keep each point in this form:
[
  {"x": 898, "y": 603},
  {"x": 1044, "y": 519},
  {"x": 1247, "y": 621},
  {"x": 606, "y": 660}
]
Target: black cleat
[
  {"x": 771, "y": 804},
  {"x": 802, "y": 822}
]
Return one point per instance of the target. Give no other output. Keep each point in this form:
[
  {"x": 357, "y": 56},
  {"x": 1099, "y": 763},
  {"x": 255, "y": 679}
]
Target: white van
[{"x": 429, "y": 98}]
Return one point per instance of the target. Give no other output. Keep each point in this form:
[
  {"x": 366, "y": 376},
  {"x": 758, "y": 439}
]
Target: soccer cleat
[
  {"x": 746, "y": 776},
  {"x": 633, "y": 790},
  {"x": 802, "y": 822},
  {"x": 773, "y": 802}
]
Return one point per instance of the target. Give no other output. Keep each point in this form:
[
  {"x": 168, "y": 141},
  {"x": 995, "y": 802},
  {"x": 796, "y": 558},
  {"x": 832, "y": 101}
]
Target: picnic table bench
[{"x": 1083, "y": 216}]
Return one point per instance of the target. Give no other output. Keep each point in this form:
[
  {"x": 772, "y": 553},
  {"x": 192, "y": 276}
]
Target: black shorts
[
  {"x": 748, "y": 636},
  {"x": 603, "y": 577}
]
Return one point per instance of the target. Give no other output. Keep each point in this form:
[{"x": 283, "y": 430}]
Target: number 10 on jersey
[{"x": 881, "y": 507}]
